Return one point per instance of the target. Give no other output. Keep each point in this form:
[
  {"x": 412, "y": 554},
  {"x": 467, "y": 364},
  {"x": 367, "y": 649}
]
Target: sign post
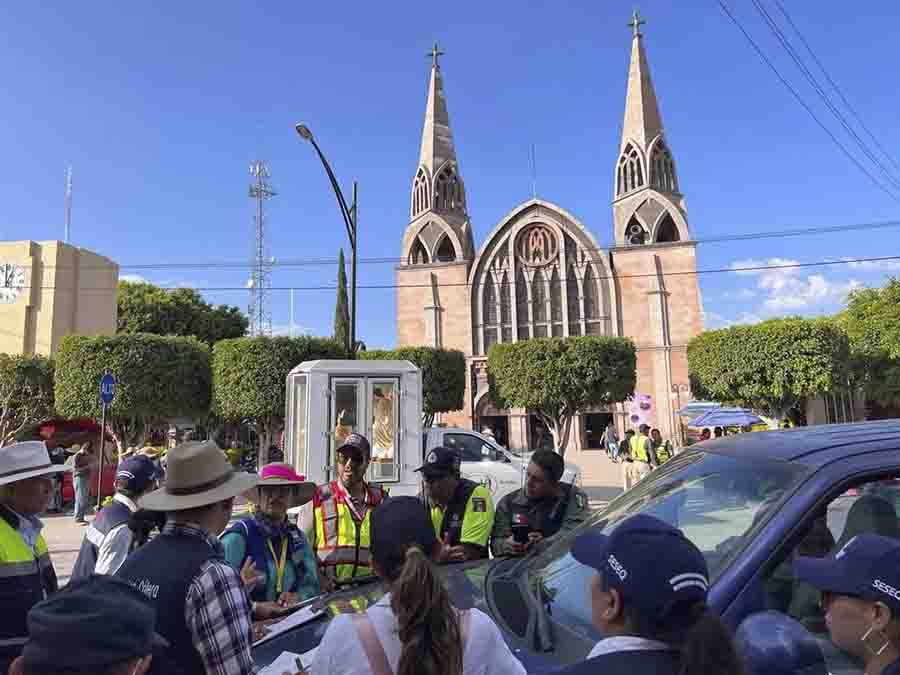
[{"x": 107, "y": 394}]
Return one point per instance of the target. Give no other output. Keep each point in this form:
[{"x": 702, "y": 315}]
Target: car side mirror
[{"x": 772, "y": 643}]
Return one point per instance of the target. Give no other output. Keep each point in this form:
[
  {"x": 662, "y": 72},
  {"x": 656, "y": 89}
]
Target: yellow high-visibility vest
[
  {"x": 640, "y": 448},
  {"x": 342, "y": 540}
]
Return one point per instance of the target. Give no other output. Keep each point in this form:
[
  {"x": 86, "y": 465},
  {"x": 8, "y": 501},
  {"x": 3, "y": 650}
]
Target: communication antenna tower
[
  {"x": 68, "y": 218},
  {"x": 260, "y": 281}
]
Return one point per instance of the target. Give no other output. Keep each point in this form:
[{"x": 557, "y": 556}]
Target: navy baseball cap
[
  {"x": 867, "y": 567},
  {"x": 138, "y": 472},
  {"x": 653, "y": 565},
  {"x": 355, "y": 443},
  {"x": 440, "y": 462},
  {"x": 73, "y": 626}
]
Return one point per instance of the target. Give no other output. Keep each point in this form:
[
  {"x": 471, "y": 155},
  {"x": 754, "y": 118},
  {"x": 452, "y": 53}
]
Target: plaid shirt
[{"x": 217, "y": 611}]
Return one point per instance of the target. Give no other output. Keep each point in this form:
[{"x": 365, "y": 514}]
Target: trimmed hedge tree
[
  {"x": 770, "y": 366},
  {"x": 157, "y": 378},
  {"x": 26, "y": 393},
  {"x": 443, "y": 376},
  {"x": 249, "y": 379},
  {"x": 556, "y": 377}
]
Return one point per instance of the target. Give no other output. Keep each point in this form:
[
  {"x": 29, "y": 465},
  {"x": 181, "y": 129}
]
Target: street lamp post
[{"x": 350, "y": 219}]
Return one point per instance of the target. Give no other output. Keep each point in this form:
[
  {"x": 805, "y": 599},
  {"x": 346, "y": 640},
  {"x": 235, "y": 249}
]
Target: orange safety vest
[{"x": 342, "y": 538}]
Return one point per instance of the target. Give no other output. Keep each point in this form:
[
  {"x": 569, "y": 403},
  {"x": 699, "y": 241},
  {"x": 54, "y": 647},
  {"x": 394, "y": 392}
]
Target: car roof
[{"x": 813, "y": 444}]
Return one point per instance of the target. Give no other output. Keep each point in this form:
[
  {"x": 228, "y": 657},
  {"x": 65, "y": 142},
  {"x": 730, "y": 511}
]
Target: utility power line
[
  {"x": 677, "y": 273},
  {"x": 803, "y": 103}
]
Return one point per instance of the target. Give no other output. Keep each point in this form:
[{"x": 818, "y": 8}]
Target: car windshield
[{"x": 717, "y": 501}]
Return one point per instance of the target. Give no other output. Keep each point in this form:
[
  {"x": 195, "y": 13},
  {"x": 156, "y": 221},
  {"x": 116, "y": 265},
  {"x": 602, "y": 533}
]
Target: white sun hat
[{"x": 27, "y": 460}]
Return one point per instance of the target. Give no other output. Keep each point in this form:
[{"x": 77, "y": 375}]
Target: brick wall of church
[{"x": 414, "y": 294}]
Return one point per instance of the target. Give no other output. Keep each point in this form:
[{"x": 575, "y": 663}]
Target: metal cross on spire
[
  {"x": 434, "y": 54},
  {"x": 636, "y": 23}
]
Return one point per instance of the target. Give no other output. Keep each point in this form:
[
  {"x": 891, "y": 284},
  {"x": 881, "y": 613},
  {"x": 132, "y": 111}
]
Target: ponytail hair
[
  {"x": 428, "y": 624},
  {"x": 704, "y": 643},
  {"x": 708, "y": 648}
]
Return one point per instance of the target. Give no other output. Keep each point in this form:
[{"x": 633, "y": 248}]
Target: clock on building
[{"x": 12, "y": 281}]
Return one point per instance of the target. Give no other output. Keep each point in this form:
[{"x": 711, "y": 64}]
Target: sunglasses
[{"x": 355, "y": 458}]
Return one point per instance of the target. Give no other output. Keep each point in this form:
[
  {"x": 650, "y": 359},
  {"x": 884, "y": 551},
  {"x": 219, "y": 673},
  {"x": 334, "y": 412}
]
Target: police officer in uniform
[
  {"x": 643, "y": 459},
  {"x": 462, "y": 511},
  {"x": 109, "y": 540},
  {"x": 542, "y": 509},
  {"x": 337, "y": 525}
]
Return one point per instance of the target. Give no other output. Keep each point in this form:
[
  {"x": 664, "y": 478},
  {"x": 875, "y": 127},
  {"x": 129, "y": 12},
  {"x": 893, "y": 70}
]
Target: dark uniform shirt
[{"x": 547, "y": 516}]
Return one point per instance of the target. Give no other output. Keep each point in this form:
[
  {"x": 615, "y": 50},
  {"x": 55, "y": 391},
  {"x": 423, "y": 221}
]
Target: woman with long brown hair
[{"x": 414, "y": 629}]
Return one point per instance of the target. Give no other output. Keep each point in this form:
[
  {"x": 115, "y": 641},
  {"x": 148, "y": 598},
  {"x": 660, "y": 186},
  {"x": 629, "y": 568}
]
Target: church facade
[{"x": 541, "y": 273}]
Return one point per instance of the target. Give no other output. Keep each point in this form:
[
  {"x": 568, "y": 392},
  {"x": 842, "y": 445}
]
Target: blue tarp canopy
[
  {"x": 695, "y": 408},
  {"x": 727, "y": 417}
]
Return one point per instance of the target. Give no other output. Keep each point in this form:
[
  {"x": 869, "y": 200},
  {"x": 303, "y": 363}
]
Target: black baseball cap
[
  {"x": 440, "y": 462},
  {"x": 658, "y": 570},
  {"x": 397, "y": 523},
  {"x": 356, "y": 443},
  {"x": 95, "y": 621},
  {"x": 867, "y": 567}
]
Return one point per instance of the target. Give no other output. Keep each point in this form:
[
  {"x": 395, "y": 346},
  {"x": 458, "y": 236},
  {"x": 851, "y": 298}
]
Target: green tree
[
  {"x": 249, "y": 377},
  {"x": 158, "y": 377},
  {"x": 26, "y": 393},
  {"x": 771, "y": 366},
  {"x": 872, "y": 323},
  {"x": 443, "y": 376},
  {"x": 556, "y": 377},
  {"x": 145, "y": 308},
  {"x": 341, "y": 307}
]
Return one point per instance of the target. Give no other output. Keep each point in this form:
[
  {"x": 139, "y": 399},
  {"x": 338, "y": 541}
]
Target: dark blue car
[{"x": 749, "y": 502}]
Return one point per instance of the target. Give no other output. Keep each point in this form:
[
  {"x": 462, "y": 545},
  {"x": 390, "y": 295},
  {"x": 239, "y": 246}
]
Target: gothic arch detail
[
  {"x": 630, "y": 171},
  {"x": 567, "y": 290},
  {"x": 448, "y": 192},
  {"x": 444, "y": 252},
  {"x": 666, "y": 230},
  {"x": 419, "y": 254},
  {"x": 635, "y": 232},
  {"x": 421, "y": 194},
  {"x": 662, "y": 168}
]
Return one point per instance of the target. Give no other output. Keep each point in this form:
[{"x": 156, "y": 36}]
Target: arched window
[
  {"x": 421, "y": 197},
  {"x": 445, "y": 251},
  {"x": 556, "y": 314},
  {"x": 666, "y": 231},
  {"x": 447, "y": 190},
  {"x": 489, "y": 306},
  {"x": 591, "y": 306},
  {"x": 662, "y": 169},
  {"x": 630, "y": 173},
  {"x": 522, "y": 305},
  {"x": 573, "y": 302},
  {"x": 419, "y": 254},
  {"x": 635, "y": 232},
  {"x": 539, "y": 297},
  {"x": 505, "y": 310}
]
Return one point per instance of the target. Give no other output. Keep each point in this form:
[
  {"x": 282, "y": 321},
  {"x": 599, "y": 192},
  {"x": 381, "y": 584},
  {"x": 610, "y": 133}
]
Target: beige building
[
  {"x": 49, "y": 290},
  {"x": 541, "y": 273}
]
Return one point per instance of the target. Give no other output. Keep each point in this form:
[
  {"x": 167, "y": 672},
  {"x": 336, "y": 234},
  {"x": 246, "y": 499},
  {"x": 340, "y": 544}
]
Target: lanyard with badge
[{"x": 279, "y": 564}]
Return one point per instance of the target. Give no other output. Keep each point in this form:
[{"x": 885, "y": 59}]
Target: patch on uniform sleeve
[{"x": 479, "y": 505}]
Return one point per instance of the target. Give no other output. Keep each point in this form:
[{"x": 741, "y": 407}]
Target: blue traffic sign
[{"x": 107, "y": 388}]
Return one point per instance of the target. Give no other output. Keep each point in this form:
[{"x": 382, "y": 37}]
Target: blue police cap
[
  {"x": 137, "y": 472},
  {"x": 868, "y": 567},
  {"x": 658, "y": 571}
]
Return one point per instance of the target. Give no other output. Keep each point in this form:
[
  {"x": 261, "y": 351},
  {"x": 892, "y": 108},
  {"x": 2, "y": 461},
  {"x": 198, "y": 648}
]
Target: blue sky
[{"x": 160, "y": 108}]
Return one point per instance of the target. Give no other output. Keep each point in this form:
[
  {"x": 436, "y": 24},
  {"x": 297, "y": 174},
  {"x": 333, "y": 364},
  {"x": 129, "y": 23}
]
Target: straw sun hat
[{"x": 198, "y": 474}]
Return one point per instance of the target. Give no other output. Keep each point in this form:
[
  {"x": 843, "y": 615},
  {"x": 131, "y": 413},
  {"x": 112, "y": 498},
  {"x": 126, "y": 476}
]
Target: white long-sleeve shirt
[{"x": 341, "y": 652}]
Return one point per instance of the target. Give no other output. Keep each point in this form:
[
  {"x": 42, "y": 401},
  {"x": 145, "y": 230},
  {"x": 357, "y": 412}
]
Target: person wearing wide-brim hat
[
  {"x": 26, "y": 571},
  {"x": 201, "y": 606},
  {"x": 275, "y": 559}
]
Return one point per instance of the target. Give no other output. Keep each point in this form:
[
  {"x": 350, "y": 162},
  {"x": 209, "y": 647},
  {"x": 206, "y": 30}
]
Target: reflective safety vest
[
  {"x": 26, "y": 578},
  {"x": 664, "y": 452},
  {"x": 640, "y": 448},
  {"x": 342, "y": 539}
]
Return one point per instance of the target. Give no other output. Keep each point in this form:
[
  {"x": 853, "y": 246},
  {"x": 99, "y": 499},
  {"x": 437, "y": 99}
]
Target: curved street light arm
[{"x": 342, "y": 204}]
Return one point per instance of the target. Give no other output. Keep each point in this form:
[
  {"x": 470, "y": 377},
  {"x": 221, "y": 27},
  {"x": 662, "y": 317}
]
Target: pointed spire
[
  {"x": 642, "y": 119},
  {"x": 437, "y": 139}
]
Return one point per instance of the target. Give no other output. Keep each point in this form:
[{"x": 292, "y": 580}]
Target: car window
[
  {"x": 471, "y": 448},
  {"x": 718, "y": 502},
  {"x": 869, "y": 505}
]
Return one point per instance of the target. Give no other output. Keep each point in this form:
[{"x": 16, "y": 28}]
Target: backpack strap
[{"x": 371, "y": 645}]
